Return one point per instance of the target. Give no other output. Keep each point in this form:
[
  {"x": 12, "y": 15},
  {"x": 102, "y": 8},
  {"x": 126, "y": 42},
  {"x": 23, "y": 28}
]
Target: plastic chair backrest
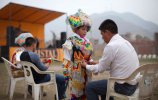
[
  {"x": 148, "y": 73},
  {"x": 146, "y": 85},
  {"x": 143, "y": 70},
  {"x": 28, "y": 72},
  {"x": 8, "y": 65}
]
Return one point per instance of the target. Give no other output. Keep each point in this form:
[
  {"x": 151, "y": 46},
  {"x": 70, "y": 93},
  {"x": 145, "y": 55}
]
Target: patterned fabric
[
  {"x": 16, "y": 56},
  {"x": 81, "y": 50},
  {"x": 79, "y": 19},
  {"x": 20, "y": 40},
  {"x": 17, "y": 72}
]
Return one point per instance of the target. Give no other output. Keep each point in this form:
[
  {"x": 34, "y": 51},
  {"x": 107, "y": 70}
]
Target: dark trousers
[{"x": 96, "y": 88}]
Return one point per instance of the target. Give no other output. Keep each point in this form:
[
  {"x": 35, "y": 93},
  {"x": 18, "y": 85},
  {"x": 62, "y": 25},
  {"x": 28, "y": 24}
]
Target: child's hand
[{"x": 47, "y": 60}]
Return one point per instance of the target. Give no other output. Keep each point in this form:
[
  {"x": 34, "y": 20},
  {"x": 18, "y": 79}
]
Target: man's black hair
[
  {"x": 109, "y": 25},
  {"x": 29, "y": 41}
]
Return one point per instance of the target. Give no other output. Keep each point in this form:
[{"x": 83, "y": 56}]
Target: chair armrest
[
  {"x": 51, "y": 73},
  {"x": 46, "y": 72},
  {"x": 13, "y": 65}
]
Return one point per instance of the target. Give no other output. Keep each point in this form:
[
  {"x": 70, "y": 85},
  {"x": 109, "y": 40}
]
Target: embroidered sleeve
[
  {"x": 66, "y": 66},
  {"x": 67, "y": 49},
  {"x": 67, "y": 45}
]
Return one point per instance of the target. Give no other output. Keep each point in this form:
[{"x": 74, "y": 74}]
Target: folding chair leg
[{"x": 12, "y": 89}]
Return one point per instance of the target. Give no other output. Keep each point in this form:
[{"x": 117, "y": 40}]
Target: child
[{"x": 77, "y": 48}]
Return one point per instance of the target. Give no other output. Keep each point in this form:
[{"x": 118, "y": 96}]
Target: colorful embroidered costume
[{"x": 76, "y": 50}]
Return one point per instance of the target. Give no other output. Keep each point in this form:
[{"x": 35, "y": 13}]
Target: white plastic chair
[
  {"x": 37, "y": 89},
  {"x": 12, "y": 80},
  {"x": 148, "y": 72}
]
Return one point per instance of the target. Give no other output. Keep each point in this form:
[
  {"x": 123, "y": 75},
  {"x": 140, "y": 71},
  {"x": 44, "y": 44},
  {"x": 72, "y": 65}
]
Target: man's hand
[
  {"x": 92, "y": 62},
  {"x": 44, "y": 60}
]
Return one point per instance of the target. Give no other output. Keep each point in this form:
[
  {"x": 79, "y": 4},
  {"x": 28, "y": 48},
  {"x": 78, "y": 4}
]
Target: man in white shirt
[{"x": 119, "y": 57}]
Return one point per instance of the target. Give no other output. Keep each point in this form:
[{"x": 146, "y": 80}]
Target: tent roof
[{"x": 22, "y": 13}]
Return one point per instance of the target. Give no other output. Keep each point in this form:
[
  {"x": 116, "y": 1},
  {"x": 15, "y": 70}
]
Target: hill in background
[{"x": 127, "y": 23}]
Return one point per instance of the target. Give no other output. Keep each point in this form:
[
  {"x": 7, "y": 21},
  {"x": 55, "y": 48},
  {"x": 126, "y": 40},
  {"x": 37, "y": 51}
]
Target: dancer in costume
[{"x": 77, "y": 48}]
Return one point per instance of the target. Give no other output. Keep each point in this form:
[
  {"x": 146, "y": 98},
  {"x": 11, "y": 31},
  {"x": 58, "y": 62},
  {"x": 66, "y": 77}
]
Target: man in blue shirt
[{"x": 30, "y": 56}]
